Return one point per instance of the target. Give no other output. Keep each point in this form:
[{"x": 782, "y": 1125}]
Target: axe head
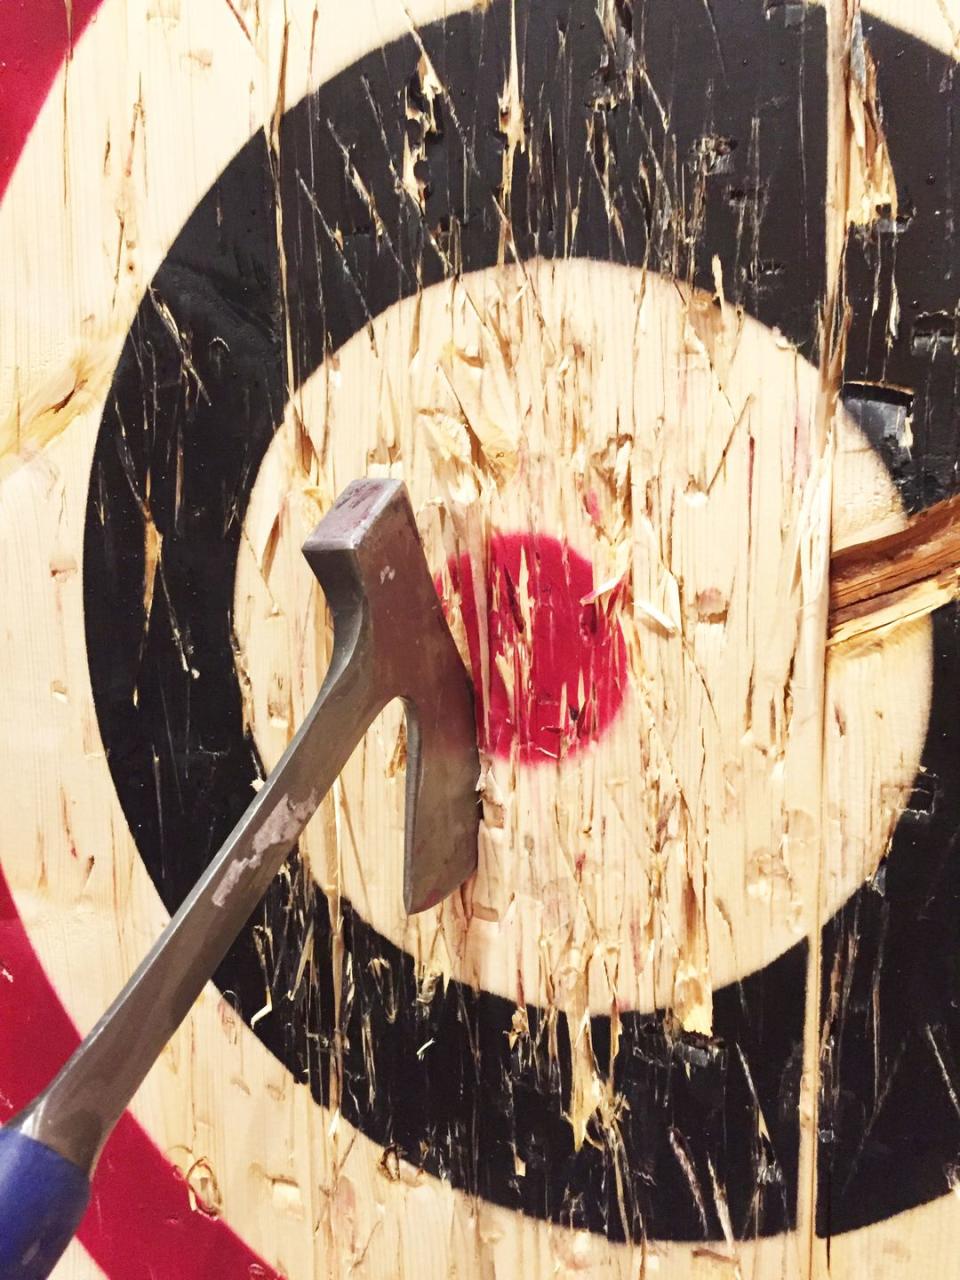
[{"x": 389, "y": 628}]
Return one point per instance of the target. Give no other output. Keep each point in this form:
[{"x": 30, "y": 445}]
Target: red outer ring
[{"x": 35, "y": 37}]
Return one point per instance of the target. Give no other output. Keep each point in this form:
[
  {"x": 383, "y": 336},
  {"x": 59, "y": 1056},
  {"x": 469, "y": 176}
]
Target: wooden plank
[{"x": 654, "y": 311}]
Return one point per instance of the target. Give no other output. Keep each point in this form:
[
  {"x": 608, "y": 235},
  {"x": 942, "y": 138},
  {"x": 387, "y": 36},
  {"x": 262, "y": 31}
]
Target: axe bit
[{"x": 390, "y": 641}]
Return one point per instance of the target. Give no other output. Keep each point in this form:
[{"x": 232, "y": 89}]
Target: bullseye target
[{"x": 569, "y": 288}]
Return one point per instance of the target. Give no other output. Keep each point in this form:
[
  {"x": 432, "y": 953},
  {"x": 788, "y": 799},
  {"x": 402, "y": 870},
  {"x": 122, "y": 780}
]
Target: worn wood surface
[{"x": 654, "y": 310}]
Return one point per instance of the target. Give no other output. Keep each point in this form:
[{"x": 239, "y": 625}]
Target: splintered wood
[{"x": 655, "y": 314}]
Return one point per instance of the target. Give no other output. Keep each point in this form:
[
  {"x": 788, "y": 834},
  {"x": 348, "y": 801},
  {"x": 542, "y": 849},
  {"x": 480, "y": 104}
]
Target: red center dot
[{"x": 557, "y": 660}]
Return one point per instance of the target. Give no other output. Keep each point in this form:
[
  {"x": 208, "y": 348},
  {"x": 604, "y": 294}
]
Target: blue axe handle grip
[{"x": 42, "y": 1199}]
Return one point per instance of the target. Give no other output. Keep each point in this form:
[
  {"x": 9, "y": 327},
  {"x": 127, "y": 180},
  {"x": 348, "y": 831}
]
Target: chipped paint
[
  {"x": 872, "y": 191},
  {"x": 281, "y": 826}
]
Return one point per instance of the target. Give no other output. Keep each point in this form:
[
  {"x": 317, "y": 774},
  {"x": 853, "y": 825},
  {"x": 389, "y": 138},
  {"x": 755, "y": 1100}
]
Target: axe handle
[{"x": 49, "y": 1150}]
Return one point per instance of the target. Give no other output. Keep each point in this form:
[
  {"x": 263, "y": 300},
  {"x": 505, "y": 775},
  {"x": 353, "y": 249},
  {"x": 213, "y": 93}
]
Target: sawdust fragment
[{"x": 204, "y": 1188}]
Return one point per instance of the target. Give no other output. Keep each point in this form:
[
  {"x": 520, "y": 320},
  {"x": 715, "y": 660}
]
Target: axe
[{"x": 390, "y": 641}]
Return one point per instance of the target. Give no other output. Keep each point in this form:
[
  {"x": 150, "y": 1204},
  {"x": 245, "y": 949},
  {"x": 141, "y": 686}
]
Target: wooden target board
[{"x": 654, "y": 309}]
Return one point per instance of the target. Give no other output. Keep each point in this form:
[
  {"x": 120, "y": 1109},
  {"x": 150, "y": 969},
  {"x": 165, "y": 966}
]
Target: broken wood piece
[{"x": 902, "y": 575}]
